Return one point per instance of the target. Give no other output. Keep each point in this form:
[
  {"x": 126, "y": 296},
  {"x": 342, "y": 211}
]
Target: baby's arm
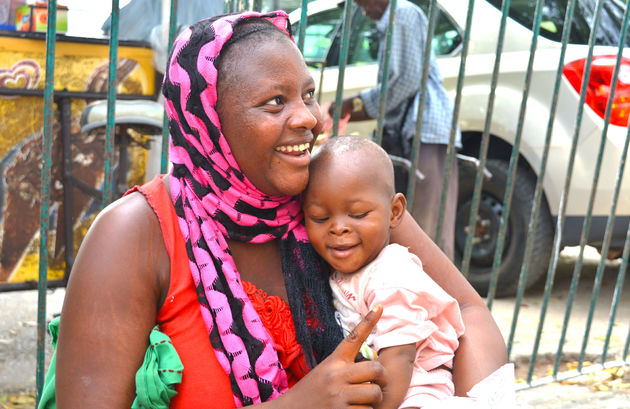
[
  {"x": 398, "y": 363},
  {"x": 415, "y": 309}
]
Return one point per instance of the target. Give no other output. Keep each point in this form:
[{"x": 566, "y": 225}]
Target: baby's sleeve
[{"x": 415, "y": 309}]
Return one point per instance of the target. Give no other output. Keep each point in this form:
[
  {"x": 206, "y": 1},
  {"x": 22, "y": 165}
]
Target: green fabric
[
  {"x": 156, "y": 378},
  {"x": 160, "y": 372},
  {"x": 47, "y": 400}
]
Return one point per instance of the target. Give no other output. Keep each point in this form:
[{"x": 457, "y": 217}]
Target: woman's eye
[
  {"x": 275, "y": 101},
  {"x": 309, "y": 96},
  {"x": 359, "y": 216}
]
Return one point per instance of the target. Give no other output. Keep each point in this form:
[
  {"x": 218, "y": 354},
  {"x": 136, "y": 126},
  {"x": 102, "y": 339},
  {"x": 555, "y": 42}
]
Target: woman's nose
[{"x": 302, "y": 117}]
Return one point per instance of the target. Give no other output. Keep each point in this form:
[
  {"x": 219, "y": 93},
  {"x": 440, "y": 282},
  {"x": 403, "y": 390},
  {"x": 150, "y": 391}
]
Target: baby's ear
[{"x": 397, "y": 209}]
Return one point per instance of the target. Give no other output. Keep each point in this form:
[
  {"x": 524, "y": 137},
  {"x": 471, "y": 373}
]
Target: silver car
[{"x": 322, "y": 44}]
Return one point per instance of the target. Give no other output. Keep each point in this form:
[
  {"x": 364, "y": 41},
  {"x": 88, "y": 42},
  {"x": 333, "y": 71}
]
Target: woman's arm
[
  {"x": 110, "y": 306},
  {"x": 481, "y": 349},
  {"x": 398, "y": 363}
]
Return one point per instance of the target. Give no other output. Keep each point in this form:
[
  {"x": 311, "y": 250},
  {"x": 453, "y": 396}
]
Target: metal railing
[{"x": 473, "y": 222}]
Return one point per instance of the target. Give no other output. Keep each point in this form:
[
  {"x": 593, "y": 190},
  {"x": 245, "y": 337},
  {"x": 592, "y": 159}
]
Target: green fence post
[
  {"x": 623, "y": 268},
  {"x": 543, "y": 166},
  {"x": 450, "y": 151},
  {"x": 302, "y": 28},
  {"x": 417, "y": 139},
  {"x": 509, "y": 188},
  {"x": 111, "y": 106},
  {"x": 172, "y": 31},
  {"x": 567, "y": 185},
  {"x": 343, "y": 59},
  {"x": 627, "y": 346},
  {"x": 483, "y": 152},
  {"x": 609, "y": 224},
  {"x": 384, "y": 73},
  {"x": 44, "y": 216}
]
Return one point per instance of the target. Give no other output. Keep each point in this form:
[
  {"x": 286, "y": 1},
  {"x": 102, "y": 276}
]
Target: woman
[{"x": 215, "y": 251}]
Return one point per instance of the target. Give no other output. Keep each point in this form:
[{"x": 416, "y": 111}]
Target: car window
[
  {"x": 364, "y": 47},
  {"x": 552, "y": 23},
  {"x": 446, "y": 38},
  {"x": 319, "y": 33},
  {"x": 323, "y": 36}
]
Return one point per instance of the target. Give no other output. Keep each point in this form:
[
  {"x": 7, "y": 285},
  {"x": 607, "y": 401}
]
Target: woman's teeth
[{"x": 293, "y": 148}]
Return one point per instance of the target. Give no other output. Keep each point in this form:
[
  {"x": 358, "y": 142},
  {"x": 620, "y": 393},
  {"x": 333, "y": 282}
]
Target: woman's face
[{"x": 269, "y": 115}]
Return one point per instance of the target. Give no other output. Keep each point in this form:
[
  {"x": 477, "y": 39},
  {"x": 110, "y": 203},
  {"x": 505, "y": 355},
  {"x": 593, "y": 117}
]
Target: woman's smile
[{"x": 295, "y": 150}]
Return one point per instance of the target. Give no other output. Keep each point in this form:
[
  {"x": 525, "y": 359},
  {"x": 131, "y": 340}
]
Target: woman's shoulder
[
  {"x": 137, "y": 213},
  {"x": 126, "y": 236},
  {"x": 129, "y": 218}
]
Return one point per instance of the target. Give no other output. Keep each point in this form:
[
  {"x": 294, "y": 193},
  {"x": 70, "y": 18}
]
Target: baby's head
[{"x": 350, "y": 203}]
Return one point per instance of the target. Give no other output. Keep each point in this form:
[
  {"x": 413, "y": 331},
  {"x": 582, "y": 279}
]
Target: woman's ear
[{"x": 397, "y": 209}]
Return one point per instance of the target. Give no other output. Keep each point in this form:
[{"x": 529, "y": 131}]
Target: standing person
[
  {"x": 216, "y": 254},
  {"x": 403, "y": 86},
  {"x": 350, "y": 208},
  {"x": 150, "y": 11}
]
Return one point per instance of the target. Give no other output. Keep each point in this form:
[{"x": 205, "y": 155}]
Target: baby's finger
[{"x": 349, "y": 347}]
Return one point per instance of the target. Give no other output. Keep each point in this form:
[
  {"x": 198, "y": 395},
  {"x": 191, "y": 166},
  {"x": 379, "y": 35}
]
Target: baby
[{"x": 350, "y": 207}]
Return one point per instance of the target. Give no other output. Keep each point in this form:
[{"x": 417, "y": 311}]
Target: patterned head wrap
[{"x": 214, "y": 200}]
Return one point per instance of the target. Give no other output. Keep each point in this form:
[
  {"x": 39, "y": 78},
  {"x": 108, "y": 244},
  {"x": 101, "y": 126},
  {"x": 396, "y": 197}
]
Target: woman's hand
[{"x": 338, "y": 382}]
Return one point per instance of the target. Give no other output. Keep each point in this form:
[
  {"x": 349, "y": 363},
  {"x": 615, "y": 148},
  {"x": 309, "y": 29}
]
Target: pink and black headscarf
[{"x": 214, "y": 200}]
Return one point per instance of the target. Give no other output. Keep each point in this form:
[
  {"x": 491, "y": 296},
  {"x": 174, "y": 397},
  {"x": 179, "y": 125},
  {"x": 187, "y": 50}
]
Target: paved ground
[
  {"x": 18, "y": 337},
  {"x": 18, "y": 315},
  {"x": 531, "y": 305},
  {"x": 556, "y": 396}
]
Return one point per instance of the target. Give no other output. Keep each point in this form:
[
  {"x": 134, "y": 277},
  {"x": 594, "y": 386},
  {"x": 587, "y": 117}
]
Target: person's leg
[{"x": 428, "y": 195}]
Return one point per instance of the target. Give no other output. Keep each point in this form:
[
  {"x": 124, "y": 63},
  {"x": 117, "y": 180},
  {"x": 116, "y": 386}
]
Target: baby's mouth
[
  {"x": 342, "y": 250},
  {"x": 342, "y": 247}
]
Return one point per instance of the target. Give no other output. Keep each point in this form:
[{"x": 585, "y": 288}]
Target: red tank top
[{"x": 204, "y": 383}]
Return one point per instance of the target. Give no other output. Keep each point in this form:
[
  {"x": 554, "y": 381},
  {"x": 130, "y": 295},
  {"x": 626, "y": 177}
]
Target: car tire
[{"x": 487, "y": 229}]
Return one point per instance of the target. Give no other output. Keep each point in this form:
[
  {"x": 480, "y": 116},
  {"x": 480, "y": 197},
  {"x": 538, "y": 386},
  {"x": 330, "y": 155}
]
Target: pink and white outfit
[{"x": 415, "y": 310}]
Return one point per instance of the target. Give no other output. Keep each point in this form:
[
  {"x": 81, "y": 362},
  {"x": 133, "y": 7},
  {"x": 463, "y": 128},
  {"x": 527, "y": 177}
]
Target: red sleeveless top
[{"x": 204, "y": 383}]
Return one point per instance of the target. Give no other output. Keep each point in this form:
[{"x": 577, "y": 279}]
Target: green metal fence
[
  {"x": 511, "y": 156},
  {"x": 489, "y": 147}
]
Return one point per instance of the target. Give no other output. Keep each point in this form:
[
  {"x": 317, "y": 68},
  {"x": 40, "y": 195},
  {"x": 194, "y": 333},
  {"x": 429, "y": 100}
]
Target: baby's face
[{"x": 347, "y": 215}]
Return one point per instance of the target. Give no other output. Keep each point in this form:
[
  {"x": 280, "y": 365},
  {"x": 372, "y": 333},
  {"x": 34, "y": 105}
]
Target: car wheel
[{"x": 487, "y": 229}]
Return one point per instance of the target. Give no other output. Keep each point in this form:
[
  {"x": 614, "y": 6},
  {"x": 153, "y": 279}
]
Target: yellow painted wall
[{"x": 81, "y": 67}]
